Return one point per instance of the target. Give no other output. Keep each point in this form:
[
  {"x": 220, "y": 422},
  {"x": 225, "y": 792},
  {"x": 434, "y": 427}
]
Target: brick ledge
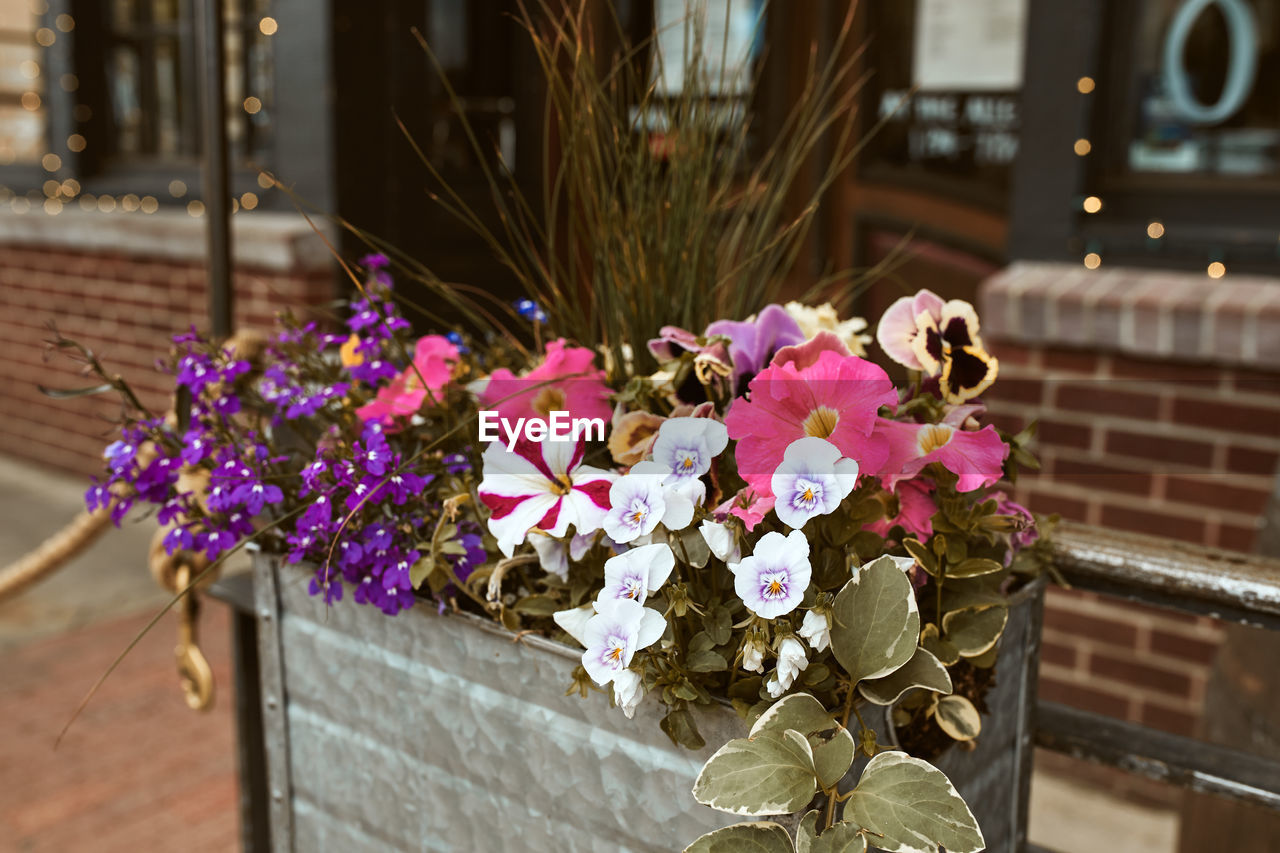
[
  {"x": 1152, "y": 313},
  {"x": 278, "y": 242}
]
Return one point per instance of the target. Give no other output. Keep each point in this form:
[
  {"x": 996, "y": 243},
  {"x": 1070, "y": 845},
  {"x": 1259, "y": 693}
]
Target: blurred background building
[{"x": 1102, "y": 179}]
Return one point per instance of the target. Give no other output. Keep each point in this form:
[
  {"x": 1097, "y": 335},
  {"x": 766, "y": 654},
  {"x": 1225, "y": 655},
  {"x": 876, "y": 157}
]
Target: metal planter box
[{"x": 431, "y": 732}]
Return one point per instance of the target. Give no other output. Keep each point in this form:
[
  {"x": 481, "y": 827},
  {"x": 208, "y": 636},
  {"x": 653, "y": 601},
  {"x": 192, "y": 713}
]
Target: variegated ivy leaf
[
  {"x": 842, "y": 837},
  {"x": 923, "y": 670},
  {"x": 932, "y": 642},
  {"x": 875, "y": 621},
  {"x": 974, "y": 631},
  {"x": 910, "y": 806},
  {"x": 974, "y": 567},
  {"x": 958, "y": 718},
  {"x": 832, "y": 745},
  {"x": 761, "y": 837},
  {"x": 768, "y": 774}
]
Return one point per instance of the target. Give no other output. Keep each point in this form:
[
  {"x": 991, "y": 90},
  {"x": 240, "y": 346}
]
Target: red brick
[
  {"x": 1009, "y": 353},
  {"x": 1001, "y": 420},
  {"x": 1018, "y": 390},
  {"x": 1081, "y": 362},
  {"x": 1236, "y": 538},
  {"x": 1110, "y": 478},
  {"x": 1140, "y": 674},
  {"x": 1159, "y": 448},
  {"x": 1167, "y": 720},
  {"x": 1233, "y": 417},
  {"x": 1059, "y": 654},
  {"x": 1216, "y": 492},
  {"x": 1082, "y": 625},
  {"x": 1183, "y": 647},
  {"x": 1099, "y": 399},
  {"x": 1049, "y": 502},
  {"x": 1084, "y": 698},
  {"x": 1064, "y": 434},
  {"x": 1200, "y": 376},
  {"x": 1154, "y": 523},
  {"x": 1249, "y": 460}
]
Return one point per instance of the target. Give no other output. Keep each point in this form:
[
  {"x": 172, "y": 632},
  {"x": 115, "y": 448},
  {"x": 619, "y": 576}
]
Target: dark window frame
[
  {"x": 302, "y": 137},
  {"x": 1205, "y": 219}
]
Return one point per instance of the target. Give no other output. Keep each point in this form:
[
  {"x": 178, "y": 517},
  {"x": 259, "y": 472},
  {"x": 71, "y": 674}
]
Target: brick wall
[
  {"x": 1158, "y": 398},
  {"x": 122, "y": 285}
]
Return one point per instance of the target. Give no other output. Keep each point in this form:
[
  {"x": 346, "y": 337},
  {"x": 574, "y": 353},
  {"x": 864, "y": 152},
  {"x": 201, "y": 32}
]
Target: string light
[
  {"x": 71, "y": 187},
  {"x": 1092, "y": 261},
  {"x": 82, "y": 113},
  {"x": 129, "y": 203},
  {"x": 252, "y": 105},
  {"x": 1085, "y": 85},
  {"x": 268, "y": 26},
  {"x": 69, "y": 82},
  {"x": 75, "y": 143},
  {"x": 265, "y": 181},
  {"x": 30, "y": 101},
  {"x": 149, "y": 204},
  {"x": 88, "y": 202},
  {"x": 30, "y": 69},
  {"x": 235, "y": 205},
  {"x": 248, "y": 201},
  {"x": 1092, "y": 204},
  {"x": 177, "y": 188},
  {"x": 39, "y": 7},
  {"x": 45, "y": 37},
  {"x": 106, "y": 203},
  {"x": 20, "y": 204},
  {"x": 66, "y": 23},
  {"x": 195, "y": 208},
  {"x": 1155, "y": 229},
  {"x": 51, "y": 188},
  {"x": 51, "y": 162},
  {"x": 52, "y": 206},
  {"x": 1217, "y": 269},
  {"x": 1082, "y": 147}
]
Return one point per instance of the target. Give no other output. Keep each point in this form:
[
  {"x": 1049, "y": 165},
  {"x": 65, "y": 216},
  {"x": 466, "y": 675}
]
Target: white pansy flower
[
  {"x": 812, "y": 480},
  {"x": 792, "y": 659},
  {"x": 637, "y": 573},
  {"x": 552, "y": 554},
  {"x": 636, "y": 506},
  {"x": 753, "y": 653},
  {"x": 620, "y": 628},
  {"x": 771, "y": 582},
  {"x": 628, "y": 690},
  {"x": 816, "y": 628},
  {"x": 574, "y": 621},
  {"x": 721, "y": 540},
  {"x": 686, "y": 446}
]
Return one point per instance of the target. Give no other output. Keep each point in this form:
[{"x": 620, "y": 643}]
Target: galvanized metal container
[{"x": 431, "y": 732}]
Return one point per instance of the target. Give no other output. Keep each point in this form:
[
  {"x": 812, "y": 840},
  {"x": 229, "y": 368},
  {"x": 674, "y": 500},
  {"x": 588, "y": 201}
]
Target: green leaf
[
  {"x": 922, "y": 555},
  {"x": 700, "y": 642},
  {"x": 833, "y": 753},
  {"x": 538, "y": 605},
  {"x": 875, "y": 621},
  {"x": 771, "y": 773},
  {"x": 719, "y": 624},
  {"x": 842, "y": 837},
  {"x": 71, "y": 393},
  {"x": 987, "y": 659},
  {"x": 974, "y": 631},
  {"x": 691, "y": 547},
  {"x": 681, "y": 728},
  {"x": 974, "y": 567},
  {"x": 923, "y": 670},
  {"x": 962, "y": 594},
  {"x": 758, "y": 837},
  {"x": 911, "y": 807},
  {"x": 420, "y": 571},
  {"x": 932, "y": 642},
  {"x": 706, "y": 661},
  {"x": 807, "y": 831},
  {"x": 958, "y": 718},
  {"x": 832, "y": 745}
]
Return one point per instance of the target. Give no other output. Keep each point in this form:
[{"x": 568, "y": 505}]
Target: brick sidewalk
[{"x": 138, "y": 771}]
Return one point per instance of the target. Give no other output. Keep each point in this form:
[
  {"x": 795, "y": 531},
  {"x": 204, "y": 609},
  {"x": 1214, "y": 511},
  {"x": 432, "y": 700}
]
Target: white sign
[
  {"x": 969, "y": 45},
  {"x": 720, "y": 34}
]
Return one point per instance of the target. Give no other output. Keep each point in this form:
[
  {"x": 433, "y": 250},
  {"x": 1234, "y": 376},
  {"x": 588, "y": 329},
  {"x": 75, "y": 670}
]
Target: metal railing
[{"x": 1193, "y": 579}]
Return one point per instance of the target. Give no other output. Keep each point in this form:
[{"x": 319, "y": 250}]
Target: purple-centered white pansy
[
  {"x": 812, "y": 480},
  {"x": 542, "y": 485},
  {"x": 771, "y": 582},
  {"x": 620, "y": 628},
  {"x": 637, "y": 504},
  {"x": 686, "y": 446},
  {"x": 637, "y": 573}
]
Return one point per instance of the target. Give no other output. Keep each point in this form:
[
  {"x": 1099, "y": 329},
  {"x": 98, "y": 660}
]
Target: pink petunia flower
[
  {"x": 976, "y": 457},
  {"x": 915, "y": 510},
  {"x": 433, "y": 359},
  {"x": 565, "y": 381},
  {"x": 834, "y": 397},
  {"x": 543, "y": 486}
]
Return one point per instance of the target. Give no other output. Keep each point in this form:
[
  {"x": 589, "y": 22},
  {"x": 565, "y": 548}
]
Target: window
[{"x": 101, "y": 98}]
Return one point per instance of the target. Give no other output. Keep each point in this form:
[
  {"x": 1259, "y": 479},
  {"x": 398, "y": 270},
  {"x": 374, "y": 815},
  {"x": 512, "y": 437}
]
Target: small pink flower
[
  {"x": 915, "y": 510},
  {"x": 748, "y": 505},
  {"x": 581, "y": 390},
  {"x": 834, "y": 397},
  {"x": 976, "y": 457},
  {"x": 433, "y": 360}
]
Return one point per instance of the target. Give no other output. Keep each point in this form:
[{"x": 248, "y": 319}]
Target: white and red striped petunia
[{"x": 543, "y": 486}]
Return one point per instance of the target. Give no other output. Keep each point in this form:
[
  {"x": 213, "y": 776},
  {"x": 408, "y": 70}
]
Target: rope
[{"x": 51, "y": 554}]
